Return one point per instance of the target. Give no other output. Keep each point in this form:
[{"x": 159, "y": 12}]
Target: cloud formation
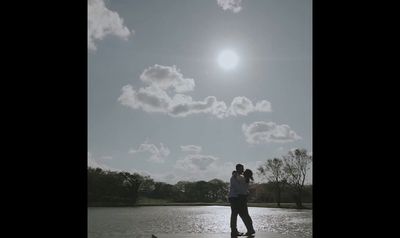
[
  {"x": 93, "y": 163},
  {"x": 195, "y": 166},
  {"x": 232, "y": 5},
  {"x": 157, "y": 155},
  {"x": 102, "y": 21},
  {"x": 191, "y": 148},
  {"x": 243, "y": 106},
  {"x": 165, "y": 80},
  {"x": 196, "y": 162},
  {"x": 165, "y": 77},
  {"x": 266, "y": 132}
]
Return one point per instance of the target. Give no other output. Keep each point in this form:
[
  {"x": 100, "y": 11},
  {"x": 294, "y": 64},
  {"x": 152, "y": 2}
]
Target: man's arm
[
  {"x": 238, "y": 184},
  {"x": 235, "y": 186}
]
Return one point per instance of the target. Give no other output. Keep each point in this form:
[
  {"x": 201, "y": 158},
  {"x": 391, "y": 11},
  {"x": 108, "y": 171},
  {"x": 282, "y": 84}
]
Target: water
[{"x": 143, "y": 221}]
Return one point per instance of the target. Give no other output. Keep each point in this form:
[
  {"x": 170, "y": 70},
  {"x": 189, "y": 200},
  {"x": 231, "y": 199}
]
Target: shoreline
[{"x": 306, "y": 206}]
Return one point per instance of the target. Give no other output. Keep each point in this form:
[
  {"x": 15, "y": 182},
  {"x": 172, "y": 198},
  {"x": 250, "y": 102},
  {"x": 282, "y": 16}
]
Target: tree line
[
  {"x": 122, "y": 188},
  {"x": 285, "y": 184}
]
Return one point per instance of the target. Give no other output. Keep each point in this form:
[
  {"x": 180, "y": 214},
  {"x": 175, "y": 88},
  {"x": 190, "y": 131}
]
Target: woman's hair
[{"x": 248, "y": 174}]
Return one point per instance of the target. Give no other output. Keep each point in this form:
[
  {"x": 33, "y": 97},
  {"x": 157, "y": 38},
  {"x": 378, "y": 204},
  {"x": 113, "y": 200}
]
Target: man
[{"x": 237, "y": 199}]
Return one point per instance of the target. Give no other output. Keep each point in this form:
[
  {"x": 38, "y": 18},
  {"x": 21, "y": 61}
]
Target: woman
[{"x": 245, "y": 182}]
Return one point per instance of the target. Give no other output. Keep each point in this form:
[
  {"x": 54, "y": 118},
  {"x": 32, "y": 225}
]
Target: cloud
[
  {"x": 162, "y": 80},
  {"x": 243, "y": 106},
  {"x": 195, "y": 162},
  {"x": 191, "y": 148},
  {"x": 102, "y": 22},
  {"x": 165, "y": 77},
  {"x": 93, "y": 163},
  {"x": 196, "y": 167},
  {"x": 149, "y": 99},
  {"x": 233, "y": 5},
  {"x": 157, "y": 155},
  {"x": 265, "y": 132}
]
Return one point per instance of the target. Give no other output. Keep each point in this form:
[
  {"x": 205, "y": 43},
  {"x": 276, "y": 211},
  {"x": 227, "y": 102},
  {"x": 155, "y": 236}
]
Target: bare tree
[
  {"x": 296, "y": 164},
  {"x": 273, "y": 171}
]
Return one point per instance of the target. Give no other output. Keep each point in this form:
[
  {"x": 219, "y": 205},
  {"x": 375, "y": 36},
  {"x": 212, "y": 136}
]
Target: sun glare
[{"x": 228, "y": 59}]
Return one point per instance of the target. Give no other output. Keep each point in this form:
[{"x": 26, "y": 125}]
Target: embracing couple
[{"x": 238, "y": 193}]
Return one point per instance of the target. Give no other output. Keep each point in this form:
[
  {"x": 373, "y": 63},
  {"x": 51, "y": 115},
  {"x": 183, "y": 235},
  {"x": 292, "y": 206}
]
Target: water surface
[{"x": 143, "y": 221}]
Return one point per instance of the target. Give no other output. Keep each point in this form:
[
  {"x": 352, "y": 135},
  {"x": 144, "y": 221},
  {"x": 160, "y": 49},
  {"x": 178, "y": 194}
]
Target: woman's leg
[
  {"x": 250, "y": 228},
  {"x": 244, "y": 214}
]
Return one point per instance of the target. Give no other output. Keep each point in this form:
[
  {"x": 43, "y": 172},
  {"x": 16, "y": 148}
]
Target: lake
[{"x": 143, "y": 221}]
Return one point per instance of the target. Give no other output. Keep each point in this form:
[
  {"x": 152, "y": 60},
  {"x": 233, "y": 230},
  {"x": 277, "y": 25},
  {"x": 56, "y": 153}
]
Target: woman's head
[{"x": 248, "y": 174}]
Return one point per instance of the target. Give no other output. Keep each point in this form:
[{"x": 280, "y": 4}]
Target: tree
[
  {"x": 147, "y": 186},
  {"x": 218, "y": 190},
  {"x": 180, "y": 194},
  {"x": 273, "y": 171},
  {"x": 296, "y": 164},
  {"x": 131, "y": 183}
]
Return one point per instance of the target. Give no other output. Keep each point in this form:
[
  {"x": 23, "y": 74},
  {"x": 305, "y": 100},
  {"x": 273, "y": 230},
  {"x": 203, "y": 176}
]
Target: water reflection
[{"x": 142, "y": 221}]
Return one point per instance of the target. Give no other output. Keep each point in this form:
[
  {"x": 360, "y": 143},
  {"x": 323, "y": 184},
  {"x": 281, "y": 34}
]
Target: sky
[{"x": 186, "y": 89}]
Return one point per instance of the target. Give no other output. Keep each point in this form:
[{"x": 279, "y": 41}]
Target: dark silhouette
[
  {"x": 248, "y": 175},
  {"x": 238, "y": 200}
]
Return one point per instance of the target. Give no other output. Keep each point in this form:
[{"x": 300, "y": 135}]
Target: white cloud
[
  {"x": 263, "y": 106},
  {"x": 157, "y": 155},
  {"x": 184, "y": 105},
  {"x": 165, "y": 77},
  {"x": 149, "y": 99},
  {"x": 102, "y": 21},
  {"x": 233, "y": 5},
  {"x": 93, "y": 163},
  {"x": 191, "y": 148},
  {"x": 265, "y": 132},
  {"x": 243, "y": 106},
  {"x": 195, "y": 162},
  {"x": 161, "y": 80},
  {"x": 196, "y": 167}
]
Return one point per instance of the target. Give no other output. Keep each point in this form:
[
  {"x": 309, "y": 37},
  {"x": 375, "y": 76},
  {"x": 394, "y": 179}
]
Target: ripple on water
[{"x": 141, "y": 221}]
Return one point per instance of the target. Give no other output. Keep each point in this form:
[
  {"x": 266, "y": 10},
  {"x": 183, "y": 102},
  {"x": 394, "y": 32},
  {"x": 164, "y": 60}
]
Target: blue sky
[{"x": 163, "y": 103}]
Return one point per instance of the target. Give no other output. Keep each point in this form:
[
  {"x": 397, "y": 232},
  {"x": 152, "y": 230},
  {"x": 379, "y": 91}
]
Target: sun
[{"x": 228, "y": 59}]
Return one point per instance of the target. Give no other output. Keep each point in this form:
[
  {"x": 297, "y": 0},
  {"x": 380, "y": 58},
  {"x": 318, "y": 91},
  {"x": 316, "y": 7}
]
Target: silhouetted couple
[{"x": 238, "y": 193}]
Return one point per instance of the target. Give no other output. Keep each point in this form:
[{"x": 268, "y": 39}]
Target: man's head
[{"x": 239, "y": 168}]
